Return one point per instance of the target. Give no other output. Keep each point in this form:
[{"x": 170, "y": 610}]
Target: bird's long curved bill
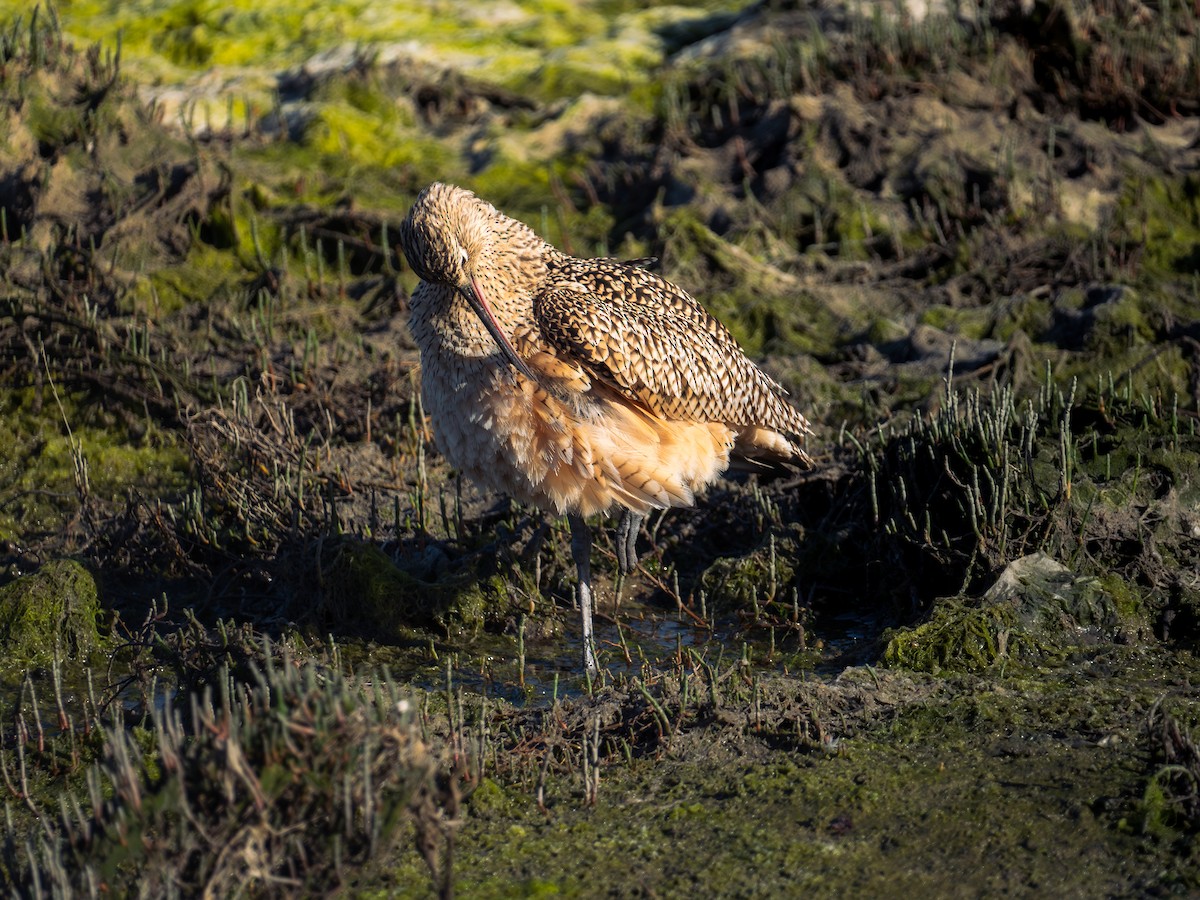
[{"x": 474, "y": 295}]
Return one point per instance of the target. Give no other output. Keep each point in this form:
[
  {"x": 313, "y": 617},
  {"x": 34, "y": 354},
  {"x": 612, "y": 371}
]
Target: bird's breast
[{"x": 494, "y": 426}]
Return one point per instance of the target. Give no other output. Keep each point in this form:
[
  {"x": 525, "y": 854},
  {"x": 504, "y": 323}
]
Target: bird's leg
[
  {"x": 540, "y": 530},
  {"x": 581, "y": 550},
  {"x": 627, "y": 532}
]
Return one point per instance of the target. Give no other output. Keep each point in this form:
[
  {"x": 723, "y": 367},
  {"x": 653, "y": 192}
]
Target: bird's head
[
  {"x": 445, "y": 238},
  {"x": 445, "y": 234}
]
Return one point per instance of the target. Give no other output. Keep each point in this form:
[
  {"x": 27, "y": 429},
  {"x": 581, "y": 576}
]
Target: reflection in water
[{"x": 637, "y": 641}]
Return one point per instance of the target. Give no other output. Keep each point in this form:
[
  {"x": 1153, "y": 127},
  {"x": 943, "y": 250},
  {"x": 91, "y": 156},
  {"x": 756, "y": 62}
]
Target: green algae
[
  {"x": 51, "y": 614},
  {"x": 543, "y": 46},
  {"x": 349, "y": 138},
  {"x": 1162, "y": 215},
  {"x": 1040, "y": 780},
  {"x": 959, "y": 635},
  {"x": 761, "y": 576},
  {"x": 365, "y": 587},
  {"x": 528, "y": 187},
  {"x": 967, "y": 322},
  {"x": 206, "y": 274},
  {"x": 55, "y": 460}
]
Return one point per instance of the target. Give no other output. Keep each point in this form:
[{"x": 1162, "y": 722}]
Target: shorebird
[{"x": 578, "y": 386}]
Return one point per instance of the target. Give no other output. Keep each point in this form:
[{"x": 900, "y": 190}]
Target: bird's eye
[{"x": 462, "y": 256}]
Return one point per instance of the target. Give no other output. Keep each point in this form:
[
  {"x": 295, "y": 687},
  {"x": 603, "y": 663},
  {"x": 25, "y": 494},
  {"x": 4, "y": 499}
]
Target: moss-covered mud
[
  {"x": 263, "y": 638},
  {"x": 874, "y": 784}
]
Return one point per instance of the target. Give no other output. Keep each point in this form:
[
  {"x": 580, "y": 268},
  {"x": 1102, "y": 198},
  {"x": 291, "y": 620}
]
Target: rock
[
  {"x": 55, "y": 608},
  {"x": 1037, "y": 609},
  {"x": 1051, "y": 601}
]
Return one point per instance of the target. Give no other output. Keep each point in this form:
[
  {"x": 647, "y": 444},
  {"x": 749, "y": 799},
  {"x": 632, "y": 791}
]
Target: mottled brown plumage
[{"x": 578, "y": 385}]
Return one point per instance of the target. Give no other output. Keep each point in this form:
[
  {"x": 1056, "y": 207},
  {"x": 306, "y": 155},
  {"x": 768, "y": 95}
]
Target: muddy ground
[{"x": 260, "y": 640}]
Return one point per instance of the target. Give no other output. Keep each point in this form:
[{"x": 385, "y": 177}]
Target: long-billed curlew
[{"x": 578, "y": 385}]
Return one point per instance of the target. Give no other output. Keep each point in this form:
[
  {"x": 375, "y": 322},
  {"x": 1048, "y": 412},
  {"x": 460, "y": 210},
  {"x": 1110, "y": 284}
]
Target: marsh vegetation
[{"x": 259, "y": 639}]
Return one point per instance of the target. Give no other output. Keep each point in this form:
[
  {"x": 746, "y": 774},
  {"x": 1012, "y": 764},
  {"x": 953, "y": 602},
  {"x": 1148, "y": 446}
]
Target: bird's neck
[
  {"x": 443, "y": 321},
  {"x": 511, "y": 273}
]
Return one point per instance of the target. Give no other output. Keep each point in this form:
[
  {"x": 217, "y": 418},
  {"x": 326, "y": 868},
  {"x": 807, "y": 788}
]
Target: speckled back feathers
[{"x": 658, "y": 345}]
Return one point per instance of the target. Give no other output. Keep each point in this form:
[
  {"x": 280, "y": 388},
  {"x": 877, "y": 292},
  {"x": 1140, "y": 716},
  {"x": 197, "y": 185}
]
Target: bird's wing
[{"x": 657, "y": 345}]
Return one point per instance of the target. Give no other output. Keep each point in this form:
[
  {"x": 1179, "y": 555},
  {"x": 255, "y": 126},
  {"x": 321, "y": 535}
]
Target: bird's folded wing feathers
[{"x": 673, "y": 358}]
